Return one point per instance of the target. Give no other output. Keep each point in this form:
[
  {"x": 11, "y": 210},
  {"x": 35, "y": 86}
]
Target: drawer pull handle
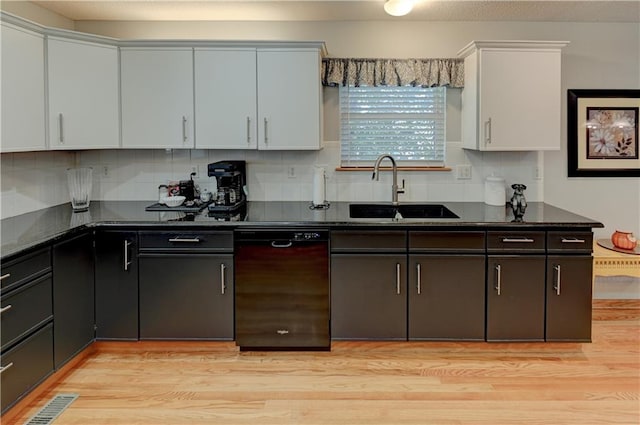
[
  {"x": 223, "y": 278},
  {"x": 4, "y": 276},
  {"x": 3, "y": 368},
  {"x": 282, "y": 331},
  {"x": 185, "y": 240},
  {"x": 572, "y": 240},
  {"x": 3, "y": 309},
  {"x": 498, "y": 287},
  {"x": 557, "y": 285},
  {"x": 398, "y": 278},
  {"x": 419, "y": 284},
  {"x": 517, "y": 240}
]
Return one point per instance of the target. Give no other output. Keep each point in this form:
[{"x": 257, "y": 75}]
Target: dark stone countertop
[{"x": 33, "y": 229}]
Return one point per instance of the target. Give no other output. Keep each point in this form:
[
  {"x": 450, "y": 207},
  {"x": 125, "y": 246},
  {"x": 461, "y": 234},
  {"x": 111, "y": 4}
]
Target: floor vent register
[{"x": 52, "y": 409}]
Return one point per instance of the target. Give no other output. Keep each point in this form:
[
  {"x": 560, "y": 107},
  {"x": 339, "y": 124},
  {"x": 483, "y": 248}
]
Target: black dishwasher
[{"x": 282, "y": 289}]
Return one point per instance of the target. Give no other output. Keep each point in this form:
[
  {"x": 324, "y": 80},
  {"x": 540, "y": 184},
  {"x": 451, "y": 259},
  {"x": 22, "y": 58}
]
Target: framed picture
[{"x": 602, "y": 133}]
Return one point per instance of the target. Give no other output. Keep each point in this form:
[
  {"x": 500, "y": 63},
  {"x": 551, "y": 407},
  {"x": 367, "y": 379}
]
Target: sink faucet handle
[
  {"x": 373, "y": 176},
  {"x": 401, "y": 189}
]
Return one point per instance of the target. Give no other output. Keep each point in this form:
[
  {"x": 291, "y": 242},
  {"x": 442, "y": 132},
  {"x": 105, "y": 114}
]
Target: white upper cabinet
[
  {"x": 512, "y": 96},
  {"x": 289, "y": 99},
  {"x": 23, "y": 107},
  {"x": 157, "y": 97},
  {"x": 225, "y": 98},
  {"x": 83, "y": 95}
]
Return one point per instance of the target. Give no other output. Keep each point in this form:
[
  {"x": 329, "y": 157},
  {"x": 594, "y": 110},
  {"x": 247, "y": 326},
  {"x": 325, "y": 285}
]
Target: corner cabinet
[
  {"x": 23, "y": 90},
  {"x": 83, "y": 95},
  {"x": 512, "y": 96},
  {"x": 258, "y": 98},
  {"x": 157, "y": 97}
]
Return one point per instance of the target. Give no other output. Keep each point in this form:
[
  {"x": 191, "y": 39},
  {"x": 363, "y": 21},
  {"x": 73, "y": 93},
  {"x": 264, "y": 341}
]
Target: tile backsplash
[{"x": 35, "y": 180}]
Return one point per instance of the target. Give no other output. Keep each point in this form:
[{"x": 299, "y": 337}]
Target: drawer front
[
  {"x": 25, "y": 309},
  {"x": 355, "y": 241},
  {"x": 581, "y": 242},
  {"x": 187, "y": 241},
  {"x": 26, "y": 365},
  {"x": 447, "y": 241},
  {"x": 21, "y": 270},
  {"x": 510, "y": 241}
]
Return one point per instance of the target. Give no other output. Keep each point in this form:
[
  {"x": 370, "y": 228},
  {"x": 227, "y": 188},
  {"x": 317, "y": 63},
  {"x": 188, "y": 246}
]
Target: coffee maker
[{"x": 231, "y": 182}]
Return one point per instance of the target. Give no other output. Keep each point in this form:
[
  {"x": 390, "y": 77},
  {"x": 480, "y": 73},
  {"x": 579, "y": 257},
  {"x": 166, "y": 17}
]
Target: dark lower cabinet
[
  {"x": 369, "y": 296},
  {"x": 73, "y": 297},
  {"x": 515, "y": 298},
  {"x": 569, "y": 298},
  {"x": 446, "y": 297},
  {"x": 116, "y": 285},
  {"x": 26, "y": 365},
  {"x": 186, "y": 296}
]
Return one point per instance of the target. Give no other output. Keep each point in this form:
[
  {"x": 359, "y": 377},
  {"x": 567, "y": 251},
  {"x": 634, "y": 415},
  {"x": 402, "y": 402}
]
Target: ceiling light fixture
[{"x": 398, "y": 7}]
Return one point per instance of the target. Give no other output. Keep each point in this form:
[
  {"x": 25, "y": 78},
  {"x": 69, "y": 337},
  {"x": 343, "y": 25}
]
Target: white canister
[
  {"x": 318, "y": 187},
  {"x": 495, "y": 191}
]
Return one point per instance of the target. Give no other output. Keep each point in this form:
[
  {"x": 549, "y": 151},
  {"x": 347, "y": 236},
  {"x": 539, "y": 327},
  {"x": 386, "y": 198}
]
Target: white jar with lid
[{"x": 495, "y": 191}]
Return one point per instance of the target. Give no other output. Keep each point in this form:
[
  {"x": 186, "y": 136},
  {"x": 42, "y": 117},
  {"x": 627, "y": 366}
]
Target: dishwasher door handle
[{"x": 281, "y": 244}]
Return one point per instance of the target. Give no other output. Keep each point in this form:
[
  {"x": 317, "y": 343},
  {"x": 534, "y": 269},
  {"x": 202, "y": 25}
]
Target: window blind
[{"x": 406, "y": 122}]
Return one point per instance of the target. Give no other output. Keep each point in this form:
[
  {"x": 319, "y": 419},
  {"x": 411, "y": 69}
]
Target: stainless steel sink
[{"x": 405, "y": 210}]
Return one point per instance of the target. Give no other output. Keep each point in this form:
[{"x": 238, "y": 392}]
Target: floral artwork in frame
[{"x": 603, "y": 133}]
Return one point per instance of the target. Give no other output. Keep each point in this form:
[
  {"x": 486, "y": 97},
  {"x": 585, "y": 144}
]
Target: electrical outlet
[
  {"x": 105, "y": 171},
  {"x": 291, "y": 172},
  {"x": 537, "y": 173},
  {"x": 463, "y": 172},
  {"x": 195, "y": 169}
]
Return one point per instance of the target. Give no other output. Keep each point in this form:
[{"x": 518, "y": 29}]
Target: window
[{"x": 406, "y": 122}]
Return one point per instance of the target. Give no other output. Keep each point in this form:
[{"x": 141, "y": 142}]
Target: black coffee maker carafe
[{"x": 231, "y": 181}]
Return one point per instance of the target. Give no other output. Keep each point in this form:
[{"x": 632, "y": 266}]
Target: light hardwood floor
[{"x": 361, "y": 383}]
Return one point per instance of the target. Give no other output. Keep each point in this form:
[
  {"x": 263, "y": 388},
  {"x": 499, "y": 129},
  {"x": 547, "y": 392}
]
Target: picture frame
[{"x": 602, "y": 133}]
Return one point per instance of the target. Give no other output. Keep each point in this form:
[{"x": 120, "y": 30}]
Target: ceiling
[{"x": 351, "y": 10}]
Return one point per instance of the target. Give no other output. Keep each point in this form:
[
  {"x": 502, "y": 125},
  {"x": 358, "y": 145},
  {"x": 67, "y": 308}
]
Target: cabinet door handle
[
  {"x": 248, "y": 130},
  {"x": 185, "y": 240},
  {"x": 266, "y": 127},
  {"x": 572, "y": 240},
  {"x": 498, "y": 287},
  {"x": 3, "y": 368},
  {"x": 4, "y": 276},
  {"x": 487, "y": 131},
  {"x": 127, "y": 263},
  {"x": 61, "y": 128},
  {"x": 184, "y": 129},
  {"x": 398, "y": 278},
  {"x": 223, "y": 278},
  {"x": 419, "y": 283},
  {"x": 282, "y": 331},
  {"x": 557, "y": 285},
  {"x": 518, "y": 240},
  {"x": 3, "y": 309}
]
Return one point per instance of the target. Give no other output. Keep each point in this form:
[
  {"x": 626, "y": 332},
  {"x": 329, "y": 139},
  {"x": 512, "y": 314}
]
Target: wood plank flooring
[{"x": 361, "y": 383}]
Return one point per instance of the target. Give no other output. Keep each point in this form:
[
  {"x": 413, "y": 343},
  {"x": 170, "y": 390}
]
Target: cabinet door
[
  {"x": 23, "y": 107},
  {"x": 289, "y": 99},
  {"x": 157, "y": 98},
  {"x": 73, "y": 297},
  {"x": 184, "y": 296},
  {"x": 569, "y": 298},
  {"x": 515, "y": 298},
  {"x": 368, "y": 296},
  {"x": 83, "y": 95},
  {"x": 446, "y": 297},
  {"x": 519, "y": 98},
  {"x": 116, "y": 285},
  {"x": 225, "y": 99}
]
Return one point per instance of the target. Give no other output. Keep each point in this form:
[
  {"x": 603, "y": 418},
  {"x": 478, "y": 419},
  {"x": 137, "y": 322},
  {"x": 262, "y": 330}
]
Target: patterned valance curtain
[{"x": 393, "y": 72}]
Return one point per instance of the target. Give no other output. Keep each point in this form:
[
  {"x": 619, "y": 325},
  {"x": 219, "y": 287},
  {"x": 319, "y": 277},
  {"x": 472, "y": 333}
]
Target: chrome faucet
[{"x": 394, "y": 188}]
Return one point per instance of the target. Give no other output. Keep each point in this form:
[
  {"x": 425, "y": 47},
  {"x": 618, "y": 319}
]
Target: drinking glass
[{"x": 80, "y": 182}]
